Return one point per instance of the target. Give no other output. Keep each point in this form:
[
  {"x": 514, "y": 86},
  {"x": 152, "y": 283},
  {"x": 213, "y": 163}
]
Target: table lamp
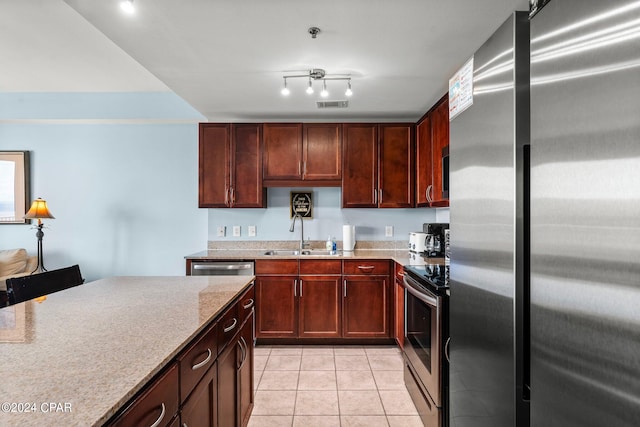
[{"x": 38, "y": 211}]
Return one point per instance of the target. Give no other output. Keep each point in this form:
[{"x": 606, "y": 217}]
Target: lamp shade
[{"x": 38, "y": 210}]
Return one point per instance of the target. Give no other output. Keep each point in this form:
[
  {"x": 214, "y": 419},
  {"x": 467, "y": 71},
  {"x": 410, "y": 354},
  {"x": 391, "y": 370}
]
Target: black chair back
[{"x": 24, "y": 288}]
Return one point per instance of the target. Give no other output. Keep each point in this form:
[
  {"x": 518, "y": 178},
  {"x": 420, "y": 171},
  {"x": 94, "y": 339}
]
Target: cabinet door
[
  {"x": 201, "y": 407},
  {"x": 282, "y": 151},
  {"x": 319, "y": 306},
  {"x": 424, "y": 178},
  {"x": 228, "y": 385},
  {"x": 360, "y": 165},
  {"x": 322, "y": 151},
  {"x": 246, "y": 163},
  {"x": 398, "y": 323},
  {"x": 365, "y": 307},
  {"x": 276, "y": 315},
  {"x": 440, "y": 140},
  {"x": 214, "y": 165},
  {"x": 397, "y": 166},
  {"x": 245, "y": 371}
]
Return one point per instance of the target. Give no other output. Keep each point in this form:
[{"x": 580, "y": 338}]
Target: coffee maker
[{"x": 435, "y": 238}]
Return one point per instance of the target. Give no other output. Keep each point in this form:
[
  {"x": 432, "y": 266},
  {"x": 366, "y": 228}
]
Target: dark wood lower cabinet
[
  {"x": 200, "y": 409},
  {"x": 365, "y": 312},
  {"x": 319, "y": 307},
  {"x": 276, "y": 308},
  {"x": 245, "y": 372}
]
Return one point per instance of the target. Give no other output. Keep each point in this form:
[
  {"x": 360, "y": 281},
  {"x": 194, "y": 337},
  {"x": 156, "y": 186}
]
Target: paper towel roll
[{"x": 348, "y": 237}]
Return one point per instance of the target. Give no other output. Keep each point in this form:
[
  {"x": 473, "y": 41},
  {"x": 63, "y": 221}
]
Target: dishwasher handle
[{"x": 223, "y": 267}]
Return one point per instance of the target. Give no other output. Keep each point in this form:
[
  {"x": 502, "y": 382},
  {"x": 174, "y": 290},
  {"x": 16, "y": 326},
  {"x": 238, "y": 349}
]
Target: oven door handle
[{"x": 424, "y": 296}]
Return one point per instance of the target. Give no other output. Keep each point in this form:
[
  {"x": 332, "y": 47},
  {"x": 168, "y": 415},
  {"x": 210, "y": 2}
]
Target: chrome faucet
[{"x": 293, "y": 225}]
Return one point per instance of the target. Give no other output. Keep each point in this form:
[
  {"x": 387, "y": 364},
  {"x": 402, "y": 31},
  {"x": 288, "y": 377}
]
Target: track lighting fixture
[
  {"x": 127, "y": 6},
  {"x": 285, "y": 90},
  {"x": 317, "y": 74},
  {"x": 324, "y": 92}
]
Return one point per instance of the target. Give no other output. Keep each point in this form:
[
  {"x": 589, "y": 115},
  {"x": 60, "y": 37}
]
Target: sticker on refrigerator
[{"x": 461, "y": 90}]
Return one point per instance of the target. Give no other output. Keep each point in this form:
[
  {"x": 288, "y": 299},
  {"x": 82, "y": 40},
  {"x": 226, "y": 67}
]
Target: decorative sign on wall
[{"x": 301, "y": 202}]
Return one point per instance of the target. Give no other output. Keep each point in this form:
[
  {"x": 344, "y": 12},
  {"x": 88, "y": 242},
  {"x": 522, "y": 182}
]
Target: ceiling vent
[{"x": 332, "y": 104}]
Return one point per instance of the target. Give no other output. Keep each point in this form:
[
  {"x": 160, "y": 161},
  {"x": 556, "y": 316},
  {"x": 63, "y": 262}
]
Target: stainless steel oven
[{"x": 426, "y": 369}]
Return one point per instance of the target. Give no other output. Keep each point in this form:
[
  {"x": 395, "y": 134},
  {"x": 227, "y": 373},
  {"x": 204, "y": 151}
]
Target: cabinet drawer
[
  {"x": 320, "y": 266},
  {"x": 158, "y": 402},
  {"x": 280, "y": 267},
  {"x": 228, "y": 325},
  {"x": 366, "y": 266},
  {"x": 196, "y": 360},
  {"x": 246, "y": 304}
]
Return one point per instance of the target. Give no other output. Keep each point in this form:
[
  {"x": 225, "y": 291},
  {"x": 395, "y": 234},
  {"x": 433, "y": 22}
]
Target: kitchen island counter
[{"x": 78, "y": 356}]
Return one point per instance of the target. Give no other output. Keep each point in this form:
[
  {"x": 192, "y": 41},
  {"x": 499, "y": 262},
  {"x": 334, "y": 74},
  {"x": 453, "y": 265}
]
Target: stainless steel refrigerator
[{"x": 545, "y": 223}]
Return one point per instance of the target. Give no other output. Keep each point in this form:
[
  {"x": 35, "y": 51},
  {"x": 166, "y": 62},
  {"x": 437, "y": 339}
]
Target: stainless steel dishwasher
[{"x": 221, "y": 268}]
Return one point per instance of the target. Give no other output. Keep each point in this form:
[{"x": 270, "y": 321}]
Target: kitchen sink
[{"x": 286, "y": 252}]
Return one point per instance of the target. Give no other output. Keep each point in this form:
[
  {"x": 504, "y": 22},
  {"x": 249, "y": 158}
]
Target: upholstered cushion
[{"x": 12, "y": 261}]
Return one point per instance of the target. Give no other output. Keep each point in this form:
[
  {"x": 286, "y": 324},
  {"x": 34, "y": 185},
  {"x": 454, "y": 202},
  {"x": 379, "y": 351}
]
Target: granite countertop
[
  {"x": 401, "y": 256},
  {"x": 87, "y": 350}
]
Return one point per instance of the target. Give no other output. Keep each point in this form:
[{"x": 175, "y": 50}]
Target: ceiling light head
[
  {"x": 310, "y": 88},
  {"x": 348, "y": 92},
  {"x": 127, "y": 6},
  {"x": 314, "y": 31},
  {"x": 324, "y": 92},
  {"x": 285, "y": 90}
]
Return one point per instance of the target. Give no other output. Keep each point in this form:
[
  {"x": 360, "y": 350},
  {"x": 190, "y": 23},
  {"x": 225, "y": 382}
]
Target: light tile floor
[{"x": 327, "y": 386}]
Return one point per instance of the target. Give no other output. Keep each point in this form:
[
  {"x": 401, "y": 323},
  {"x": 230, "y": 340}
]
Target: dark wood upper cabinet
[
  {"x": 322, "y": 149},
  {"x": 214, "y": 173},
  {"x": 432, "y": 141},
  {"x": 424, "y": 167},
  {"x": 439, "y": 143},
  {"x": 282, "y": 151},
  {"x": 296, "y": 152},
  {"x": 230, "y": 166},
  {"x": 360, "y": 160},
  {"x": 378, "y": 165},
  {"x": 396, "y": 188}
]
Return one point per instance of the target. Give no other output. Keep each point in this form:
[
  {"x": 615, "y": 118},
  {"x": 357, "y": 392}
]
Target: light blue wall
[
  {"x": 124, "y": 193},
  {"x": 273, "y": 223}
]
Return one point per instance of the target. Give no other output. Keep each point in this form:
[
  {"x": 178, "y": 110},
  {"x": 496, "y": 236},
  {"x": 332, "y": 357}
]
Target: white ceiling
[{"x": 227, "y": 57}]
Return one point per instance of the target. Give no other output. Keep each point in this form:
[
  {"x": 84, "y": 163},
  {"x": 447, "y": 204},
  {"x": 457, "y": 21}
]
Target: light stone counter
[
  {"x": 401, "y": 256},
  {"x": 89, "y": 349}
]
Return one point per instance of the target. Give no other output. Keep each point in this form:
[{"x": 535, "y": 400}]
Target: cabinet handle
[
  {"x": 366, "y": 267},
  {"x": 344, "y": 288},
  {"x": 232, "y": 326},
  {"x": 299, "y": 168},
  {"x": 159, "y": 420},
  {"x": 249, "y": 304},
  {"x": 295, "y": 288},
  {"x": 233, "y": 196},
  {"x": 446, "y": 349},
  {"x": 428, "y": 192},
  {"x": 375, "y": 196},
  {"x": 380, "y": 197},
  {"x": 401, "y": 273},
  {"x": 304, "y": 169},
  {"x": 204, "y": 362},
  {"x": 226, "y": 196},
  {"x": 300, "y": 287}
]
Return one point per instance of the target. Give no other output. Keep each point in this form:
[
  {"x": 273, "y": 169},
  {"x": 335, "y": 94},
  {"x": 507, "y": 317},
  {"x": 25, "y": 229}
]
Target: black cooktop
[{"x": 435, "y": 275}]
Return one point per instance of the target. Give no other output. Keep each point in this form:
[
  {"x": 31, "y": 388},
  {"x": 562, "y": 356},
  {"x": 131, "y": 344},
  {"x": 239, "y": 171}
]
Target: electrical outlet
[
  {"x": 388, "y": 231},
  {"x": 236, "y": 231},
  {"x": 221, "y": 231},
  {"x": 252, "y": 231}
]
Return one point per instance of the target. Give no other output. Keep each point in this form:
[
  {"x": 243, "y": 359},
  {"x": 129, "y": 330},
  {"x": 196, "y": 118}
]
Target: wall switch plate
[
  {"x": 388, "y": 231},
  {"x": 221, "y": 230},
  {"x": 252, "y": 231},
  {"x": 236, "y": 231}
]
